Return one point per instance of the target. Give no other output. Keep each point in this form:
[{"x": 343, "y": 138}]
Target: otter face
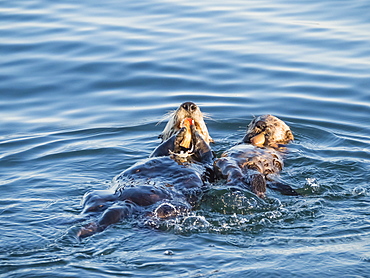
[
  {"x": 176, "y": 121},
  {"x": 268, "y": 131},
  {"x": 97, "y": 201}
]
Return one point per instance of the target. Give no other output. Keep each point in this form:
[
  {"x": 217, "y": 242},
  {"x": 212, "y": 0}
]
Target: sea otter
[
  {"x": 251, "y": 163},
  {"x": 186, "y": 110},
  {"x": 166, "y": 184}
]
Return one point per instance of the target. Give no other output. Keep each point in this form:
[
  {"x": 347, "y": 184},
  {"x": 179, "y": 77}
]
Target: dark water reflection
[{"x": 83, "y": 86}]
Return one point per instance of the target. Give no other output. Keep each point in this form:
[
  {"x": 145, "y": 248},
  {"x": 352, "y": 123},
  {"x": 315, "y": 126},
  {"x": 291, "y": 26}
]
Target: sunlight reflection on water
[{"x": 83, "y": 86}]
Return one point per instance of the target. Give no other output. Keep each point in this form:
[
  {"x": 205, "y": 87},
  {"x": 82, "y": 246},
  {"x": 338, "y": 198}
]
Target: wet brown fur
[
  {"x": 251, "y": 163},
  {"x": 186, "y": 110},
  {"x": 164, "y": 185}
]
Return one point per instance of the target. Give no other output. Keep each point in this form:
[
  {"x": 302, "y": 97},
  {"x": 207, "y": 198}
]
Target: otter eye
[
  {"x": 261, "y": 125},
  {"x": 95, "y": 208}
]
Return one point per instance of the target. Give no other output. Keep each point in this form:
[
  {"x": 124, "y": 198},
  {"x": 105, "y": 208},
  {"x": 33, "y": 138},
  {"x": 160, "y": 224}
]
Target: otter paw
[
  {"x": 88, "y": 230},
  {"x": 258, "y": 185}
]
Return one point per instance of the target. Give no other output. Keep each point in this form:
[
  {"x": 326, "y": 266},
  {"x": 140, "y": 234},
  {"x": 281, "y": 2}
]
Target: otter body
[
  {"x": 165, "y": 175},
  {"x": 249, "y": 157},
  {"x": 158, "y": 186},
  {"x": 164, "y": 185},
  {"x": 252, "y": 163}
]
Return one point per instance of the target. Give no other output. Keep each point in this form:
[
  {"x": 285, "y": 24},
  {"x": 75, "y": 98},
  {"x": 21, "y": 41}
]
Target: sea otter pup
[
  {"x": 251, "y": 163},
  {"x": 164, "y": 185}
]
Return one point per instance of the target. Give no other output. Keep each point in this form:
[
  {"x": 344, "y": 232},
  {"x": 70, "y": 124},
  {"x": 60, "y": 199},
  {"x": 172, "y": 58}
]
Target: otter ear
[{"x": 289, "y": 136}]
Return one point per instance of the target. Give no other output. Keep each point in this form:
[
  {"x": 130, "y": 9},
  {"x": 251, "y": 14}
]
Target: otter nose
[{"x": 189, "y": 106}]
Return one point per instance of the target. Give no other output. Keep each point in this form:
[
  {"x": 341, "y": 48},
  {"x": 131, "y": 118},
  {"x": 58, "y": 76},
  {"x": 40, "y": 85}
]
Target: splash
[{"x": 313, "y": 185}]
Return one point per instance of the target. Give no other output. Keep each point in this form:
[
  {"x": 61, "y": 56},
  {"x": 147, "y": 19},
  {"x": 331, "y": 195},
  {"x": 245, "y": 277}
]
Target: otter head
[
  {"x": 268, "y": 131},
  {"x": 176, "y": 121},
  {"x": 97, "y": 201}
]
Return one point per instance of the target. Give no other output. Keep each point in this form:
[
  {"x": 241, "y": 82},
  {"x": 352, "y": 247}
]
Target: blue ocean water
[{"x": 84, "y": 85}]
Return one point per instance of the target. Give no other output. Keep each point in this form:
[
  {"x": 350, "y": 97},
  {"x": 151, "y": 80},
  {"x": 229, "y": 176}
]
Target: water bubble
[
  {"x": 198, "y": 221},
  {"x": 273, "y": 214},
  {"x": 358, "y": 191},
  {"x": 168, "y": 253},
  {"x": 265, "y": 222},
  {"x": 194, "y": 224},
  {"x": 152, "y": 223}
]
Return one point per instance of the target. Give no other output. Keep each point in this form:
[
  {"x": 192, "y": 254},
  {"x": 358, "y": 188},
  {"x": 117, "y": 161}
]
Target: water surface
[{"x": 83, "y": 86}]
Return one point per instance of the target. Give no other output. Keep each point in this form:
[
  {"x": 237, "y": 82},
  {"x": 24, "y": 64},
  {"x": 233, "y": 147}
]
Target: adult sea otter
[
  {"x": 186, "y": 110},
  {"x": 166, "y": 184}
]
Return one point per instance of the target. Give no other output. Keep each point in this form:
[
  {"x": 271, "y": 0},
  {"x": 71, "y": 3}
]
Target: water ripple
[{"x": 83, "y": 85}]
